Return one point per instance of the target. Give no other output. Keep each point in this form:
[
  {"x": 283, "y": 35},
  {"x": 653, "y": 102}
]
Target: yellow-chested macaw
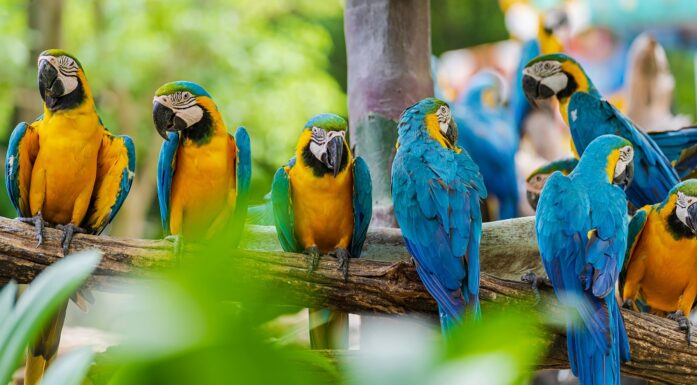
[
  {"x": 537, "y": 179},
  {"x": 661, "y": 264},
  {"x": 487, "y": 133},
  {"x": 204, "y": 173},
  {"x": 322, "y": 203},
  {"x": 436, "y": 191},
  {"x": 581, "y": 225},
  {"x": 589, "y": 116},
  {"x": 65, "y": 169}
]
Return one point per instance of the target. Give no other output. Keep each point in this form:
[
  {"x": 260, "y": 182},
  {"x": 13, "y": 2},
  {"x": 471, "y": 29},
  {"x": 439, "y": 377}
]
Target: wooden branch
[{"x": 659, "y": 350}]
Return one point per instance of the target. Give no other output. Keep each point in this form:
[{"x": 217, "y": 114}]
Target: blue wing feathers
[
  {"x": 165, "y": 173},
  {"x": 126, "y": 180},
  {"x": 362, "y": 205},
  {"x": 12, "y": 166},
  {"x": 283, "y": 210},
  {"x": 243, "y": 173}
]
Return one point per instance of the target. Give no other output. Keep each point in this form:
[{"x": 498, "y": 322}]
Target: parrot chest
[
  {"x": 66, "y": 165},
  {"x": 203, "y": 183},
  {"x": 671, "y": 265},
  {"x": 322, "y": 208}
]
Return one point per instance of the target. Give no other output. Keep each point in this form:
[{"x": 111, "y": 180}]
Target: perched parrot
[
  {"x": 322, "y": 203},
  {"x": 537, "y": 179},
  {"x": 487, "y": 133},
  {"x": 65, "y": 169},
  {"x": 589, "y": 116},
  {"x": 581, "y": 226},
  {"x": 660, "y": 262},
  {"x": 436, "y": 189},
  {"x": 203, "y": 172}
]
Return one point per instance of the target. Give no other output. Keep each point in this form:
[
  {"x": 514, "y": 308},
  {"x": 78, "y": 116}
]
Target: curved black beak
[
  {"x": 533, "y": 198},
  {"x": 335, "y": 152},
  {"x": 50, "y": 87},
  {"x": 451, "y": 134},
  {"x": 692, "y": 218},
  {"x": 166, "y": 120},
  {"x": 534, "y": 90},
  {"x": 626, "y": 177}
]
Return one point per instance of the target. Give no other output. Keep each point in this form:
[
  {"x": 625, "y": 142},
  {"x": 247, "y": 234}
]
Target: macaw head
[
  {"x": 186, "y": 107},
  {"x": 555, "y": 75},
  {"x": 62, "y": 82},
  {"x": 612, "y": 154},
  {"x": 323, "y": 144},
  {"x": 437, "y": 121},
  {"x": 486, "y": 88},
  {"x": 554, "y": 27},
  {"x": 537, "y": 179},
  {"x": 685, "y": 194}
]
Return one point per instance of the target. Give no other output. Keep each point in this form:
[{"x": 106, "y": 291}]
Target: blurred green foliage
[
  {"x": 464, "y": 23},
  {"x": 682, "y": 63}
]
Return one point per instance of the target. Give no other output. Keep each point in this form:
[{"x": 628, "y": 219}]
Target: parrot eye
[{"x": 67, "y": 66}]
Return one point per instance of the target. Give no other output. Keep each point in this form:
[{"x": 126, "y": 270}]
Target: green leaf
[
  {"x": 39, "y": 302},
  {"x": 69, "y": 369},
  {"x": 7, "y": 300}
]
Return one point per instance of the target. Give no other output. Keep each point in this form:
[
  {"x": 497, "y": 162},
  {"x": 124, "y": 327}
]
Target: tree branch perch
[{"x": 391, "y": 286}]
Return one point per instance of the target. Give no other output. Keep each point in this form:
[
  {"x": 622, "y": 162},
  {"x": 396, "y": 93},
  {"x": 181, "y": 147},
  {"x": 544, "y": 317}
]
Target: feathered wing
[
  {"x": 165, "y": 172},
  {"x": 436, "y": 197},
  {"x": 680, "y": 147},
  {"x": 19, "y": 162},
  {"x": 636, "y": 227},
  {"x": 362, "y": 205},
  {"x": 116, "y": 164},
  {"x": 654, "y": 176},
  {"x": 283, "y": 209},
  {"x": 243, "y": 174}
]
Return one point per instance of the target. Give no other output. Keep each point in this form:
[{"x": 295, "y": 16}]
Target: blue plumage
[
  {"x": 591, "y": 116},
  {"x": 519, "y": 106},
  {"x": 165, "y": 173},
  {"x": 362, "y": 205},
  {"x": 436, "y": 191},
  {"x": 12, "y": 167},
  {"x": 680, "y": 147},
  {"x": 243, "y": 174},
  {"x": 581, "y": 228},
  {"x": 490, "y": 137}
]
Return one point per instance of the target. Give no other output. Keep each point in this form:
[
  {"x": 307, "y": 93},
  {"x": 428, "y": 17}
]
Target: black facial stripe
[
  {"x": 319, "y": 168},
  {"x": 570, "y": 88},
  {"x": 201, "y": 131},
  {"x": 677, "y": 227}
]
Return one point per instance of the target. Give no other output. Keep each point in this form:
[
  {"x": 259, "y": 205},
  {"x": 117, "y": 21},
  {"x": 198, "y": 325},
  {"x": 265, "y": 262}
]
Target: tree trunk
[{"x": 388, "y": 44}]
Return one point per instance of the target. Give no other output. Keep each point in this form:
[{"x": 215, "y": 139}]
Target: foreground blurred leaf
[
  {"x": 38, "y": 303},
  {"x": 69, "y": 369}
]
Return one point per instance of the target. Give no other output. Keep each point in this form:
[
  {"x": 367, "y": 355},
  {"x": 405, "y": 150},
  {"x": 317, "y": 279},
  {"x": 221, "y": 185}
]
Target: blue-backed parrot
[
  {"x": 436, "y": 191},
  {"x": 204, "y": 172},
  {"x": 660, "y": 264},
  {"x": 581, "y": 226},
  {"x": 487, "y": 133},
  {"x": 322, "y": 203},
  {"x": 589, "y": 116},
  {"x": 537, "y": 179},
  {"x": 65, "y": 169}
]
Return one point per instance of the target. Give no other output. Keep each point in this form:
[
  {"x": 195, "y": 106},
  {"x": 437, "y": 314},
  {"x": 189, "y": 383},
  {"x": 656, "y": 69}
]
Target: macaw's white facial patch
[
  {"x": 626, "y": 157},
  {"x": 184, "y": 106},
  {"x": 556, "y": 82},
  {"x": 543, "y": 69},
  {"x": 67, "y": 71},
  {"x": 681, "y": 205},
  {"x": 444, "y": 117},
  {"x": 319, "y": 140},
  {"x": 536, "y": 183}
]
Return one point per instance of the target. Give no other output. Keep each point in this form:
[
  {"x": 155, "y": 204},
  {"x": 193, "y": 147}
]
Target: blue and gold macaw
[
  {"x": 581, "y": 226},
  {"x": 322, "y": 203},
  {"x": 65, "y": 169},
  {"x": 589, "y": 116},
  {"x": 204, "y": 173},
  {"x": 537, "y": 179},
  {"x": 436, "y": 189},
  {"x": 487, "y": 133},
  {"x": 660, "y": 264}
]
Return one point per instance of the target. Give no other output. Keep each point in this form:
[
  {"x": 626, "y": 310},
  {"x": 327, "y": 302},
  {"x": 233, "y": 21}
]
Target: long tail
[
  {"x": 41, "y": 354},
  {"x": 593, "y": 364},
  {"x": 328, "y": 329}
]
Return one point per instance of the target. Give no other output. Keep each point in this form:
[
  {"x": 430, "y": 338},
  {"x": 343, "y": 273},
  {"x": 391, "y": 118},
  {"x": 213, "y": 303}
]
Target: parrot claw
[
  {"x": 343, "y": 256},
  {"x": 38, "y": 222},
  {"x": 684, "y": 324},
  {"x": 630, "y": 304},
  {"x": 535, "y": 282},
  {"x": 69, "y": 231},
  {"x": 177, "y": 244},
  {"x": 313, "y": 252}
]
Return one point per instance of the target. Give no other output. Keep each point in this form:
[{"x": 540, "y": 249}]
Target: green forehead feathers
[
  {"x": 181, "y": 86},
  {"x": 59, "y": 52},
  {"x": 558, "y": 57},
  {"x": 688, "y": 187},
  {"x": 328, "y": 122}
]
